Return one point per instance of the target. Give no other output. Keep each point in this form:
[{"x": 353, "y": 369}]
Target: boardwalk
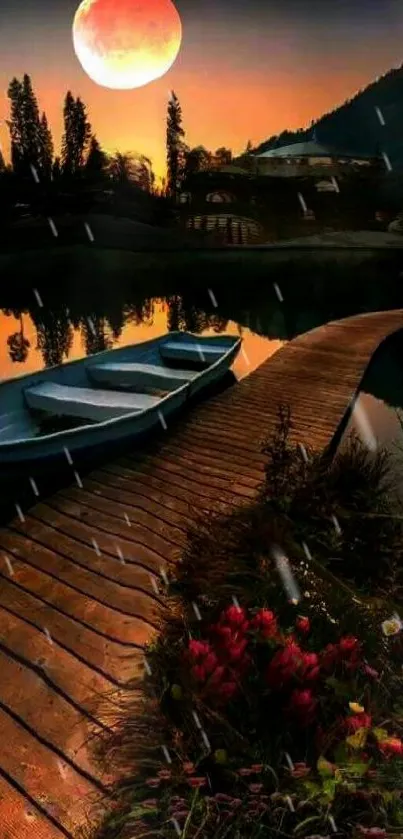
[{"x": 76, "y": 597}]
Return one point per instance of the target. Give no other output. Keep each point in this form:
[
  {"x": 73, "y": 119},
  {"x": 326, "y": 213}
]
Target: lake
[{"x": 61, "y": 305}]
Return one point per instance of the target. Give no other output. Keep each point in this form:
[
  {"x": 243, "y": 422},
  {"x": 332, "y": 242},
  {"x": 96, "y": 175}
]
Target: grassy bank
[{"x": 272, "y": 694}]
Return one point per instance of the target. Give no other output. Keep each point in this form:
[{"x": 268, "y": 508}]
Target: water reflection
[
  {"x": 33, "y": 340},
  {"x": 380, "y": 403}
]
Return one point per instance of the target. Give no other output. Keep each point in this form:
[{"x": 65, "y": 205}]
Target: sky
[{"x": 245, "y": 70}]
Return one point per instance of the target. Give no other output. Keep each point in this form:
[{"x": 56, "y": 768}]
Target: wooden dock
[{"x": 76, "y": 597}]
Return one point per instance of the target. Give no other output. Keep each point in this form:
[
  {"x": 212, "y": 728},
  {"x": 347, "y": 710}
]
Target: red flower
[
  {"x": 329, "y": 657},
  {"x": 226, "y": 690},
  {"x": 358, "y": 721},
  {"x": 196, "y": 783},
  {"x": 188, "y": 767},
  {"x": 198, "y": 672},
  {"x": 217, "y": 677},
  {"x": 301, "y": 770},
  {"x": 391, "y": 746},
  {"x": 374, "y": 832},
  {"x": 284, "y": 665},
  {"x": 302, "y": 706},
  {"x": 210, "y": 662},
  {"x": 236, "y": 649},
  {"x": 310, "y": 667},
  {"x": 265, "y": 623},
  {"x": 350, "y": 649},
  {"x": 198, "y": 649},
  {"x": 303, "y": 624},
  {"x": 348, "y": 645},
  {"x": 255, "y": 788},
  {"x": 235, "y": 617}
]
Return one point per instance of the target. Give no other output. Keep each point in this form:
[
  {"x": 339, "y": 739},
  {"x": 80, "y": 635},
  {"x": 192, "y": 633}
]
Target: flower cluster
[{"x": 218, "y": 666}]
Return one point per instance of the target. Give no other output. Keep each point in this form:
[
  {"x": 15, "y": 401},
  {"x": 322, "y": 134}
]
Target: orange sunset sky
[{"x": 244, "y": 71}]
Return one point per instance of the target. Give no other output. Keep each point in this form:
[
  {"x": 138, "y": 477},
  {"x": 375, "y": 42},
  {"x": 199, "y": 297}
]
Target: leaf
[
  {"x": 312, "y": 789},
  {"x": 341, "y": 689},
  {"x": 358, "y": 769},
  {"x": 303, "y": 824},
  {"x": 358, "y": 740},
  {"x": 380, "y": 734},
  {"x": 329, "y": 788},
  {"x": 325, "y": 768}
]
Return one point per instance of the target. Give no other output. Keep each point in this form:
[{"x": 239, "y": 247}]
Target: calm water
[
  {"x": 73, "y": 308},
  {"x": 26, "y": 345},
  {"x": 379, "y": 415}
]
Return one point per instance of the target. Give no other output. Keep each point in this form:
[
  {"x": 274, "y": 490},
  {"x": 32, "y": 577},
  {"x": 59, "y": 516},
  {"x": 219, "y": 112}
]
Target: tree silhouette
[
  {"x": 223, "y": 156},
  {"x": 56, "y": 169},
  {"x": 196, "y": 160},
  {"x": 16, "y": 124},
  {"x": 97, "y": 161},
  {"x": 18, "y": 345},
  {"x": 127, "y": 168},
  {"x": 24, "y": 126},
  {"x": 76, "y": 136},
  {"x": 46, "y": 147},
  {"x": 174, "y": 146}
]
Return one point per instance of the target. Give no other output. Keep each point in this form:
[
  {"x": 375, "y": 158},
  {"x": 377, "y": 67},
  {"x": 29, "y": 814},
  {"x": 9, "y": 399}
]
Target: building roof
[{"x": 311, "y": 149}]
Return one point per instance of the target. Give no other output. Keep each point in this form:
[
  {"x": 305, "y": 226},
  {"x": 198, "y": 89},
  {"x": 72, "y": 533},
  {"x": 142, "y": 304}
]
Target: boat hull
[{"x": 88, "y": 440}]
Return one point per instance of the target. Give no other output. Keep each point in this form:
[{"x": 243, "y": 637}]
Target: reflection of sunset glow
[
  {"x": 256, "y": 348},
  {"x": 124, "y": 45}
]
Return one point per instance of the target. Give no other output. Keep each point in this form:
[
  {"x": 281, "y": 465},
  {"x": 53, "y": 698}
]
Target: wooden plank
[
  {"x": 111, "y": 595},
  {"x": 130, "y": 574},
  {"x": 59, "y": 789},
  {"x": 21, "y": 819},
  {"x": 83, "y": 686},
  {"x": 110, "y": 524},
  {"x": 51, "y": 717},
  {"x": 135, "y": 553},
  {"x": 122, "y": 629},
  {"x": 98, "y": 652}
]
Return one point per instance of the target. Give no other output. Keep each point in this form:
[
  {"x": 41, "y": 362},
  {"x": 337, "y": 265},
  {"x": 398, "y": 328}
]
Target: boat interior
[{"x": 106, "y": 387}]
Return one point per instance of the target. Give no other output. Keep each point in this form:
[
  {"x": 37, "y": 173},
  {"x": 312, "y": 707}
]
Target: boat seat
[
  {"x": 182, "y": 351},
  {"x": 128, "y": 374},
  {"x": 86, "y": 403}
]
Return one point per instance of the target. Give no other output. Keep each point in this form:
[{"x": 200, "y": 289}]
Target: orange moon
[{"x": 124, "y": 44}]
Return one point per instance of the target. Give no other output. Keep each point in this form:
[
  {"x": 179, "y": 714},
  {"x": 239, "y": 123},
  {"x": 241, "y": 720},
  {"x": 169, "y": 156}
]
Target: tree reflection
[
  {"x": 18, "y": 344},
  {"x": 54, "y": 336},
  {"x": 184, "y": 315},
  {"x": 95, "y": 334}
]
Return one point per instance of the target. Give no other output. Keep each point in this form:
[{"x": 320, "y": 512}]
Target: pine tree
[
  {"x": 68, "y": 140},
  {"x": 26, "y": 129},
  {"x": 56, "y": 169},
  {"x": 46, "y": 147},
  {"x": 174, "y": 146},
  {"x": 32, "y": 124},
  {"x": 16, "y": 124},
  {"x": 97, "y": 161},
  {"x": 77, "y": 133},
  {"x": 83, "y": 131}
]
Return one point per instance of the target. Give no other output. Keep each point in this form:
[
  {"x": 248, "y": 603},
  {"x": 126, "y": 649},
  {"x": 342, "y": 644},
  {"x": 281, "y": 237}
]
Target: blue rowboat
[{"x": 107, "y": 398}]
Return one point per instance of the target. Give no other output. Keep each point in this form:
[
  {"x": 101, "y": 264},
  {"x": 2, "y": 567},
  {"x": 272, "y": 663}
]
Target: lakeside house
[{"x": 288, "y": 191}]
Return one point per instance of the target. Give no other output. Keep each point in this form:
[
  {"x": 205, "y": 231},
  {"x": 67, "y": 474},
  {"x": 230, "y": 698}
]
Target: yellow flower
[
  {"x": 391, "y": 627},
  {"x": 356, "y": 708},
  {"x": 220, "y": 756},
  {"x": 176, "y": 692}
]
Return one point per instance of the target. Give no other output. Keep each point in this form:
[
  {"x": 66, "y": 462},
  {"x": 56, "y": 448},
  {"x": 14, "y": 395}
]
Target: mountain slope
[{"x": 356, "y": 126}]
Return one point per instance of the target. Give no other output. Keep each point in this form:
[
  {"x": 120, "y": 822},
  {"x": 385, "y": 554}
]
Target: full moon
[{"x": 124, "y": 44}]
